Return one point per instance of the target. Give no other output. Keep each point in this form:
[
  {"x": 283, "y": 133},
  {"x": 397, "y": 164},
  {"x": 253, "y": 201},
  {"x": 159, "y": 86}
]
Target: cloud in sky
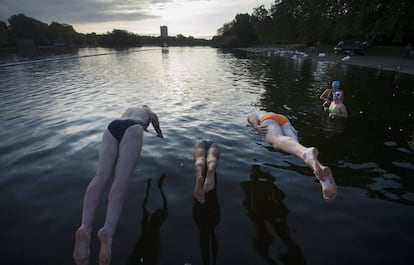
[
  {"x": 188, "y": 17},
  {"x": 79, "y": 11}
]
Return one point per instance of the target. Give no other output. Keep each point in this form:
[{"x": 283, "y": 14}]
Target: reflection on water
[
  {"x": 411, "y": 141},
  {"x": 148, "y": 245},
  {"x": 263, "y": 201},
  {"x": 333, "y": 126},
  {"x": 55, "y": 107},
  {"x": 207, "y": 217}
]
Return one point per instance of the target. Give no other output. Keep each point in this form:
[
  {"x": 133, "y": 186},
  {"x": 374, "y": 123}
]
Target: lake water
[{"x": 267, "y": 208}]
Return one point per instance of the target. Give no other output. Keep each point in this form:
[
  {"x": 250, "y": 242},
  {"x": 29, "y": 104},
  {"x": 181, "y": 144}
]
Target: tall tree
[
  {"x": 312, "y": 21},
  {"x": 243, "y": 29},
  {"x": 239, "y": 33},
  {"x": 4, "y": 34},
  {"x": 120, "y": 38},
  {"x": 262, "y": 23},
  {"x": 29, "y": 28},
  {"x": 284, "y": 14}
]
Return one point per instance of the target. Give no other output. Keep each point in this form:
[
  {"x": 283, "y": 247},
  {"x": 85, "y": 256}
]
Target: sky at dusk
[{"x": 197, "y": 18}]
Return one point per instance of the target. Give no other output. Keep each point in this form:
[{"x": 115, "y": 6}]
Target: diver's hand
[{"x": 262, "y": 129}]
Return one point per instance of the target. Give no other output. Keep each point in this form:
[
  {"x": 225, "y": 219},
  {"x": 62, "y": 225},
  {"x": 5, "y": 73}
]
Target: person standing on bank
[
  {"x": 119, "y": 153},
  {"x": 279, "y": 132},
  {"x": 328, "y": 94}
]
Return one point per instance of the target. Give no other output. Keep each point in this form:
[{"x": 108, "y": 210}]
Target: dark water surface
[{"x": 267, "y": 208}]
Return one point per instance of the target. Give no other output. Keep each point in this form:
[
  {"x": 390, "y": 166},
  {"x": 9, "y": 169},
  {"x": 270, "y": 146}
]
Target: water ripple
[{"x": 54, "y": 111}]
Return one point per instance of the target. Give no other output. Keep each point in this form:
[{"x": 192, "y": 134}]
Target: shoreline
[
  {"x": 381, "y": 58},
  {"x": 383, "y": 63}
]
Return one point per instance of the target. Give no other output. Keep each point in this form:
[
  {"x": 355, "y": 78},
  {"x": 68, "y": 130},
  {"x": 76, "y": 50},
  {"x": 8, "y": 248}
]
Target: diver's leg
[
  {"x": 213, "y": 154},
  {"x": 199, "y": 155},
  {"x": 129, "y": 152},
  {"x": 309, "y": 155},
  {"x": 93, "y": 194}
]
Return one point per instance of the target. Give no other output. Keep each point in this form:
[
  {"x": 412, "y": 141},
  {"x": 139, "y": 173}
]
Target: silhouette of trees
[
  {"x": 119, "y": 38},
  {"x": 28, "y": 28},
  {"x": 312, "y": 21},
  {"x": 33, "y": 32},
  {"x": 384, "y": 21},
  {"x": 309, "y": 22},
  {"x": 4, "y": 34},
  {"x": 263, "y": 24},
  {"x": 240, "y": 32},
  {"x": 22, "y": 27},
  {"x": 67, "y": 33}
]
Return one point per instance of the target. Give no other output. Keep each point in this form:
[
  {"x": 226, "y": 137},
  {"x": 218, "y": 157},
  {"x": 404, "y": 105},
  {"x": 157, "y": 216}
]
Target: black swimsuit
[{"x": 118, "y": 127}]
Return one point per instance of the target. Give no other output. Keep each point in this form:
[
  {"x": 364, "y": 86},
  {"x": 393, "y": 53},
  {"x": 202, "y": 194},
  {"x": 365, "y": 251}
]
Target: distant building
[{"x": 164, "y": 31}]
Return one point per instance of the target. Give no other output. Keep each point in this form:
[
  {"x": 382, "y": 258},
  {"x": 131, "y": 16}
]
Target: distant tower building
[{"x": 164, "y": 31}]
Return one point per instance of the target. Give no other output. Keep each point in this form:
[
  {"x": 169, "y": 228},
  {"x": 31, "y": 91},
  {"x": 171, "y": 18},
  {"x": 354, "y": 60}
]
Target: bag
[{"x": 326, "y": 104}]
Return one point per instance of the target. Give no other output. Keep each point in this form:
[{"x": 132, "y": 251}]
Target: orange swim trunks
[{"x": 279, "y": 118}]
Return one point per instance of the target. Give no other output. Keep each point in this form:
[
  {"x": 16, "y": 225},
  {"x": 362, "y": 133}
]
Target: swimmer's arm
[
  {"x": 156, "y": 124},
  {"x": 253, "y": 119},
  {"x": 324, "y": 95}
]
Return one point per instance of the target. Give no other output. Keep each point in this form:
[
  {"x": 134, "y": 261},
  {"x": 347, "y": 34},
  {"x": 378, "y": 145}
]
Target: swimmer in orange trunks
[{"x": 279, "y": 132}]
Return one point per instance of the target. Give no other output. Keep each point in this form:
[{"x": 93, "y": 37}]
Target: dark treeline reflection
[
  {"x": 148, "y": 246},
  {"x": 263, "y": 201}
]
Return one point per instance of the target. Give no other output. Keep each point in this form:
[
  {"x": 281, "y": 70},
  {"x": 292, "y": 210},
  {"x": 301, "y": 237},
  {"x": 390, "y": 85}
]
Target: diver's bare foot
[
  {"x": 310, "y": 156},
  {"x": 209, "y": 182},
  {"x": 81, "y": 250},
  {"x": 329, "y": 189},
  {"x": 198, "y": 190},
  {"x": 106, "y": 244}
]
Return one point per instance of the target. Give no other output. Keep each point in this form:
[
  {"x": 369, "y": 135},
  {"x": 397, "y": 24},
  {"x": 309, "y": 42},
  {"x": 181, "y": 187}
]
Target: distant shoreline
[{"x": 380, "y": 57}]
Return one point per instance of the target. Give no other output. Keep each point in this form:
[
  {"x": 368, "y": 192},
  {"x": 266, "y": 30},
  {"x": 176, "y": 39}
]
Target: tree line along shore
[
  {"x": 23, "y": 31},
  {"x": 310, "y": 22}
]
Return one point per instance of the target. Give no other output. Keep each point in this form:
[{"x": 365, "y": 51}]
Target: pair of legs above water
[{"x": 205, "y": 163}]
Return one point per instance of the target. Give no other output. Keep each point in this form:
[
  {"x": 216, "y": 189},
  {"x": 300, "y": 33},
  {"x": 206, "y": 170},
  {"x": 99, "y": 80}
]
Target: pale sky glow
[{"x": 197, "y": 18}]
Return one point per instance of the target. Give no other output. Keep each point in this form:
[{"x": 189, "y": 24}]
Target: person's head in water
[
  {"x": 336, "y": 84},
  {"x": 338, "y": 95}
]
